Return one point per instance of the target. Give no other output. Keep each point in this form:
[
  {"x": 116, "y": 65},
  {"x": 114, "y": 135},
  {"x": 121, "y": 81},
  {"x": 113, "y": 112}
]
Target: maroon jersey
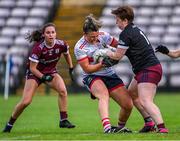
[{"x": 47, "y": 57}]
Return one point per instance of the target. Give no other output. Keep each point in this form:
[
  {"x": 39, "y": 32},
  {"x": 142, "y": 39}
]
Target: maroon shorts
[
  {"x": 151, "y": 74},
  {"x": 30, "y": 75}
]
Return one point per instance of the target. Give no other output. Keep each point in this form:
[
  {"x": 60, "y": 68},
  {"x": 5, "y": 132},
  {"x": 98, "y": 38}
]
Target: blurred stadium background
[{"x": 159, "y": 19}]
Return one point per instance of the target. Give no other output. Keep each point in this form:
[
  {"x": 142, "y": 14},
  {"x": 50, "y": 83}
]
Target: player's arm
[
  {"x": 37, "y": 73},
  {"x": 118, "y": 54},
  {"x": 121, "y": 49},
  {"x": 171, "y": 53},
  {"x": 114, "y": 43},
  {"x": 174, "y": 53},
  {"x": 68, "y": 59},
  {"x": 34, "y": 70},
  {"x": 87, "y": 67}
]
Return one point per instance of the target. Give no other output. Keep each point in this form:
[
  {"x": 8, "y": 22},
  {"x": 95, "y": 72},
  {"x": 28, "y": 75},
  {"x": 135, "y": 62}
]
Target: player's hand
[
  {"x": 162, "y": 49},
  {"x": 108, "y": 62},
  {"x": 47, "y": 77},
  {"x": 71, "y": 73}
]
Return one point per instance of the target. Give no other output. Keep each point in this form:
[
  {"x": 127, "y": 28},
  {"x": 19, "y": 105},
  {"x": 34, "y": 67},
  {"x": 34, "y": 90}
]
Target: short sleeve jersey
[
  {"x": 84, "y": 50},
  {"x": 47, "y": 57},
  {"x": 139, "y": 50}
]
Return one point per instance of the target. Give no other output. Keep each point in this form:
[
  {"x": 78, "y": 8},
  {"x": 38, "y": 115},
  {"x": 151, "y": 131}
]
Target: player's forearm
[
  {"x": 36, "y": 72},
  {"x": 118, "y": 55},
  {"x": 174, "y": 53},
  {"x": 92, "y": 68},
  {"x": 69, "y": 60}
]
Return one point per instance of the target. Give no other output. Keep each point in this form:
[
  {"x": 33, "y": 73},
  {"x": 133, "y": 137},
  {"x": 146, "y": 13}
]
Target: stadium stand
[
  {"x": 160, "y": 20},
  {"x": 69, "y": 20},
  {"x": 17, "y": 17}
]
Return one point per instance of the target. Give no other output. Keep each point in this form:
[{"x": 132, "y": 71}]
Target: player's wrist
[{"x": 47, "y": 77}]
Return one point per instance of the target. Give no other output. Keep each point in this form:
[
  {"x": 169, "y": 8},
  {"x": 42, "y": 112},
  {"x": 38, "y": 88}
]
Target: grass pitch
[{"x": 40, "y": 120}]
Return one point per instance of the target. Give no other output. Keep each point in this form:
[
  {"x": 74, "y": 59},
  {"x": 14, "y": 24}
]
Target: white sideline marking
[{"x": 19, "y": 138}]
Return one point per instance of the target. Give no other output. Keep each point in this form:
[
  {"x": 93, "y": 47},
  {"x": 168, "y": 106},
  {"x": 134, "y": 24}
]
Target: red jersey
[{"x": 47, "y": 57}]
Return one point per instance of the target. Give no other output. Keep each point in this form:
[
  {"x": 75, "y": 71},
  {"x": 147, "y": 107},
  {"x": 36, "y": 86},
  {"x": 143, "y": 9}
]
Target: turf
[{"x": 40, "y": 120}]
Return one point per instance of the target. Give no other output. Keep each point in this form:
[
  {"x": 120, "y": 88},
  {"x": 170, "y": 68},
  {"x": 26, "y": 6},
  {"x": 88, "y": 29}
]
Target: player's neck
[{"x": 49, "y": 44}]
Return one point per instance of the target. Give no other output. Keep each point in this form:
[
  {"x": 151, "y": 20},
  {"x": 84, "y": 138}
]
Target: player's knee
[
  {"x": 63, "y": 93},
  {"x": 144, "y": 102},
  {"x": 128, "y": 106},
  {"x": 25, "y": 103},
  {"x": 104, "y": 96}
]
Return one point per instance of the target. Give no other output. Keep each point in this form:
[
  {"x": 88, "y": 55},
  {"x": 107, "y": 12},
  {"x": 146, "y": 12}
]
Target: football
[{"x": 100, "y": 54}]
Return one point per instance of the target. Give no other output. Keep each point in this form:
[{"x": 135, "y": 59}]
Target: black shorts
[{"x": 112, "y": 82}]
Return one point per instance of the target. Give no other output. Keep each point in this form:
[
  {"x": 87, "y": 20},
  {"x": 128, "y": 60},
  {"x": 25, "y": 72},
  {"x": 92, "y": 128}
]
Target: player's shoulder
[
  {"x": 39, "y": 45},
  {"x": 60, "y": 42},
  {"x": 103, "y": 33},
  {"x": 81, "y": 44}
]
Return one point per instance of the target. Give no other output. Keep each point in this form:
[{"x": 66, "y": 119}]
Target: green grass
[{"x": 40, "y": 120}]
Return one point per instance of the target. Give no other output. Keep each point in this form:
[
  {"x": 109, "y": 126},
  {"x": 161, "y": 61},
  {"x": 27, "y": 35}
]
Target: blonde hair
[{"x": 91, "y": 24}]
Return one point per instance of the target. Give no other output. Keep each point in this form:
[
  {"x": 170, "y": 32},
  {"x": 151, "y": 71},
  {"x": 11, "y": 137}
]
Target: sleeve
[
  {"x": 66, "y": 48},
  {"x": 80, "y": 54},
  {"x": 107, "y": 38},
  {"x": 124, "y": 41},
  {"x": 35, "y": 54}
]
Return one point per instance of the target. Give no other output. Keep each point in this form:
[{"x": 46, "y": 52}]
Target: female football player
[
  {"x": 166, "y": 51},
  {"x": 102, "y": 82},
  {"x": 42, "y": 69},
  {"x": 147, "y": 69}
]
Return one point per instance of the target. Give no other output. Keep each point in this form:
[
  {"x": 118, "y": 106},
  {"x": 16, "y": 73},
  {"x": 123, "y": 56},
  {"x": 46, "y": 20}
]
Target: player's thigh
[
  {"x": 121, "y": 96},
  {"x": 58, "y": 84},
  {"x": 29, "y": 89},
  {"x": 146, "y": 91},
  {"x": 98, "y": 89},
  {"x": 133, "y": 90}
]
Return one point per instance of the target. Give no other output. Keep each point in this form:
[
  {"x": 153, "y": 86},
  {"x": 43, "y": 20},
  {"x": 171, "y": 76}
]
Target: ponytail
[{"x": 36, "y": 35}]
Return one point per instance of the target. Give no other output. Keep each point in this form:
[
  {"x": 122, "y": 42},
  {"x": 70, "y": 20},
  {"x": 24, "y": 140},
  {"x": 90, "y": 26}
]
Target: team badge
[{"x": 57, "y": 51}]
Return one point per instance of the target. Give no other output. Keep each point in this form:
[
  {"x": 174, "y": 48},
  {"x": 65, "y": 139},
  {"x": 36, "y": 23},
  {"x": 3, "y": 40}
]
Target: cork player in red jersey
[{"x": 44, "y": 56}]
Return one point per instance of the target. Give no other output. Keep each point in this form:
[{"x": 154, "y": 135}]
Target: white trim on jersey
[
  {"x": 33, "y": 60},
  {"x": 122, "y": 46}
]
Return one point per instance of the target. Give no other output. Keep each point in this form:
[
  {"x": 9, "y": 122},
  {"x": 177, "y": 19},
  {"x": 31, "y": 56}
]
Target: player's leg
[
  {"x": 99, "y": 90},
  {"x": 29, "y": 90},
  {"x": 121, "y": 96},
  {"x": 58, "y": 85},
  {"x": 149, "y": 125},
  {"x": 146, "y": 93}
]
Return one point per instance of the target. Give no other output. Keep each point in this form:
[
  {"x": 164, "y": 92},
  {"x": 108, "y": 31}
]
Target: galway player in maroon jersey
[
  {"x": 42, "y": 69},
  {"x": 147, "y": 69}
]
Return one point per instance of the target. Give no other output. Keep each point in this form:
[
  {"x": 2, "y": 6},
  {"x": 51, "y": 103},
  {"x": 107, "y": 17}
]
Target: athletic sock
[
  {"x": 148, "y": 119},
  {"x": 11, "y": 121},
  {"x": 63, "y": 115},
  {"x": 106, "y": 124},
  {"x": 162, "y": 125},
  {"x": 121, "y": 124}
]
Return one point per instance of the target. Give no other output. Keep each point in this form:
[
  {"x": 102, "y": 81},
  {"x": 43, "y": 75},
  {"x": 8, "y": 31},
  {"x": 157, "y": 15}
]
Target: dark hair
[
  {"x": 124, "y": 12},
  {"x": 91, "y": 24},
  {"x": 36, "y": 35}
]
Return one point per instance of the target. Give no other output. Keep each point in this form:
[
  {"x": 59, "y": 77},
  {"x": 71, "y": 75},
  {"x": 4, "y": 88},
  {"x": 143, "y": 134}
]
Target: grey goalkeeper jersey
[{"x": 83, "y": 50}]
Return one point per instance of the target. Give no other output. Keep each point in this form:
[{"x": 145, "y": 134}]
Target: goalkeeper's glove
[
  {"x": 162, "y": 49},
  {"x": 46, "y": 77},
  {"x": 108, "y": 62},
  {"x": 71, "y": 73}
]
